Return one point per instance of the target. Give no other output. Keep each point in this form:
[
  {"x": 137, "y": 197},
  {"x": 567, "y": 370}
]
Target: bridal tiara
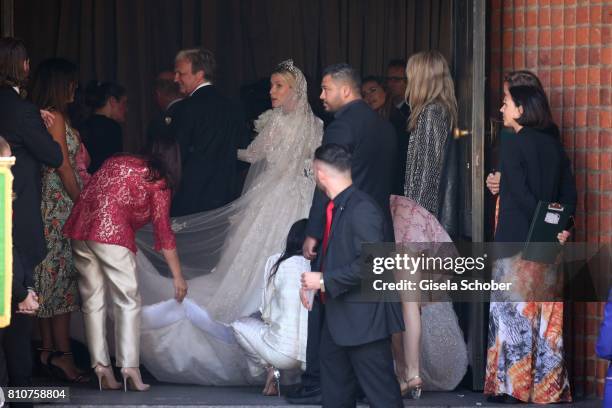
[{"x": 288, "y": 66}]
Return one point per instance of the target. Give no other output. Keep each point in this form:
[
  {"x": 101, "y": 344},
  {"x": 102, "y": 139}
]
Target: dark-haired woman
[
  {"x": 376, "y": 96},
  {"x": 101, "y": 132},
  {"x": 278, "y": 340},
  {"x": 55, "y": 279},
  {"x": 125, "y": 194},
  {"x": 525, "y": 359}
]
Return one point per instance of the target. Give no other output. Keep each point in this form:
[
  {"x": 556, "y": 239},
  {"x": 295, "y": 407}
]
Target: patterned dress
[
  {"x": 56, "y": 279},
  {"x": 525, "y": 350},
  {"x": 525, "y": 354}
]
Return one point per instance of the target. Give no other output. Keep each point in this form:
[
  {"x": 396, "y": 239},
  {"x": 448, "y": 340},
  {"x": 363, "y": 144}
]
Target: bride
[{"x": 225, "y": 250}]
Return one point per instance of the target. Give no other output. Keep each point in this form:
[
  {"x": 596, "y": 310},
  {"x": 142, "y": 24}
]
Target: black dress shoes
[{"x": 305, "y": 396}]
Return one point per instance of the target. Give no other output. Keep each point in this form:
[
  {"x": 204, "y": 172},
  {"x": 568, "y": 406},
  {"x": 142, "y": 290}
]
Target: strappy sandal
[
  {"x": 44, "y": 363},
  {"x": 414, "y": 390},
  {"x": 59, "y": 371}
]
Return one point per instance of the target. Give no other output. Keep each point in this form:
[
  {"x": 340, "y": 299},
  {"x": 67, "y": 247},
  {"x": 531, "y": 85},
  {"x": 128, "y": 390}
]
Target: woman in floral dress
[{"x": 55, "y": 279}]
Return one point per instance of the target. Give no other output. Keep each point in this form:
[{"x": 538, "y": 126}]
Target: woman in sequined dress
[
  {"x": 431, "y": 97},
  {"x": 55, "y": 279}
]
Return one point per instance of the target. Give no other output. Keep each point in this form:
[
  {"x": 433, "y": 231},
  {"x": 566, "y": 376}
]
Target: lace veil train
[{"x": 223, "y": 251}]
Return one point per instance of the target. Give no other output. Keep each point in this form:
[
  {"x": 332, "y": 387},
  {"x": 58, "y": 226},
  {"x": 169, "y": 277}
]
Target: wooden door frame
[{"x": 478, "y": 119}]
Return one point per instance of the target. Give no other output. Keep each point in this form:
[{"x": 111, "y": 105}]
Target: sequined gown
[{"x": 55, "y": 279}]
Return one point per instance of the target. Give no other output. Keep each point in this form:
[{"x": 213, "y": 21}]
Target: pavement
[{"x": 175, "y": 395}]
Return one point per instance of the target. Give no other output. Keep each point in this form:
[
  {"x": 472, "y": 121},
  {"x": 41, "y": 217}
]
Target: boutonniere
[{"x": 168, "y": 120}]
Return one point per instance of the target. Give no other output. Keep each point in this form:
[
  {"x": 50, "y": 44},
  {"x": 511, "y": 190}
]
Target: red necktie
[
  {"x": 328, "y": 222},
  {"x": 329, "y": 214}
]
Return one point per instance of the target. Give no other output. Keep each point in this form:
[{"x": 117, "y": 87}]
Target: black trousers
[
  {"x": 16, "y": 354},
  {"x": 311, "y": 378},
  {"x": 345, "y": 368},
  {"x": 15, "y": 346}
]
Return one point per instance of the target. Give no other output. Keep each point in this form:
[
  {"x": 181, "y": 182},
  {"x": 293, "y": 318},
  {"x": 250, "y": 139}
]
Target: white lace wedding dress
[{"x": 224, "y": 252}]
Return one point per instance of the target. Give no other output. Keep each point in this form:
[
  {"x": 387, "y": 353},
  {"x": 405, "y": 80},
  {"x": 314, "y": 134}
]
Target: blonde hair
[
  {"x": 429, "y": 81},
  {"x": 288, "y": 76}
]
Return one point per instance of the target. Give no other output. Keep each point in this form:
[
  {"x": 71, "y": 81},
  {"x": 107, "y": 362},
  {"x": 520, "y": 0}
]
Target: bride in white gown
[{"x": 226, "y": 249}]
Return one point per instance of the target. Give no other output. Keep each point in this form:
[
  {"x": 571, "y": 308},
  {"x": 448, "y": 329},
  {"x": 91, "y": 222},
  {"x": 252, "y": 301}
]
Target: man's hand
[
  {"x": 311, "y": 280},
  {"x": 493, "y": 182},
  {"x": 29, "y": 305},
  {"x": 308, "y": 249},
  {"x": 47, "y": 117},
  {"x": 563, "y": 236},
  {"x": 304, "y": 298}
]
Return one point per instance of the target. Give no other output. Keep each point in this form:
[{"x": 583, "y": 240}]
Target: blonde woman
[{"x": 431, "y": 97}]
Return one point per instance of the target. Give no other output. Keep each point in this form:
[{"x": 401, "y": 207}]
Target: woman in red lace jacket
[{"x": 126, "y": 193}]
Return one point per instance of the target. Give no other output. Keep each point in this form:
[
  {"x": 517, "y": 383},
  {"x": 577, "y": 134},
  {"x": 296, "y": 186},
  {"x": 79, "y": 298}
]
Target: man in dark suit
[
  {"x": 371, "y": 141},
  {"x": 167, "y": 94},
  {"x": 355, "y": 345},
  {"x": 397, "y": 83},
  {"x": 210, "y": 131},
  {"x": 23, "y": 128}
]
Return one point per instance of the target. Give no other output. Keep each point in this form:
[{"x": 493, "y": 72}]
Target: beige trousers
[{"x": 112, "y": 268}]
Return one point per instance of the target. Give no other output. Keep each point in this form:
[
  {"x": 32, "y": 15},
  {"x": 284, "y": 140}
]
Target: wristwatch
[{"x": 322, "y": 282}]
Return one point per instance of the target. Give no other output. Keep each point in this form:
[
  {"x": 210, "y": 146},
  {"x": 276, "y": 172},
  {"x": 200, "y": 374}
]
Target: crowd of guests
[{"x": 79, "y": 201}]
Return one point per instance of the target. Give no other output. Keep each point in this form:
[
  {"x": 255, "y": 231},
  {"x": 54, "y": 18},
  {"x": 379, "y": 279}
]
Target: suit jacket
[
  {"x": 372, "y": 141},
  {"x": 31, "y": 144},
  {"x": 399, "y": 122},
  {"x": 160, "y": 124},
  {"x": 357, "y": 219},
  {"x": 534, "y": 167},
  {"x": 209, "y": 130}
]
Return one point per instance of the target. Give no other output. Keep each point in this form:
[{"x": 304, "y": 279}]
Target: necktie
[
  {"x": 328, "y": 222},
  {"x": 329, "y": 214}
]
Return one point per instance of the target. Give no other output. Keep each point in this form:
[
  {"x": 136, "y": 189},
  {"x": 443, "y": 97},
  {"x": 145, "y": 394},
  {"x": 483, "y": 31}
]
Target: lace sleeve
[
  {"x": 312, "y": 146},
  {"x": 256, "y": 150},
  {"x": 162, "y": 230}
]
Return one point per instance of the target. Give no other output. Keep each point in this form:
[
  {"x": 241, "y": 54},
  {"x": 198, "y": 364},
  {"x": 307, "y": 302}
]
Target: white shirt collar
[
  {"x": 16, "y": 88},
  {"x": 200, "y": 86}
]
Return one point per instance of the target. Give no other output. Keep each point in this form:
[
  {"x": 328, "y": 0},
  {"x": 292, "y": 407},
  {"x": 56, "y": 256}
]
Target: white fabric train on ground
[{"x": 223, "y": 253}]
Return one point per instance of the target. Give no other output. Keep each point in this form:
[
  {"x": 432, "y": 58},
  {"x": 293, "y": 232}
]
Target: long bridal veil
[{"x": 223, "y": 252}]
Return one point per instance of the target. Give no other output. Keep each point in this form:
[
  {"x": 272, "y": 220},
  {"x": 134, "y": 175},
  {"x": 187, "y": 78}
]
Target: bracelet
[{"x": 322, "y": 282}]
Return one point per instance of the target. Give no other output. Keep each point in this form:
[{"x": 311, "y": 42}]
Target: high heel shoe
[
  {"x": 106, "y": 378},
  {"x": 135, "y": 380},
  {"x": 273, "y": 375},
  {"x": 44, "y": 362},
  {"x": 60, "y": 372},
  {"x": 277, "y": 380},
  {"x": 414, "y": 390}
]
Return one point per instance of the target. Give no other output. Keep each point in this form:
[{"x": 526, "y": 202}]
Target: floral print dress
[{"x": 56, "y": 279}]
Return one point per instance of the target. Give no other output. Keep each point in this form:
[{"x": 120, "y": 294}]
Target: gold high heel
[
  {"x": 106, "y": 378},
  {"x": 135, "y": 380}
]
